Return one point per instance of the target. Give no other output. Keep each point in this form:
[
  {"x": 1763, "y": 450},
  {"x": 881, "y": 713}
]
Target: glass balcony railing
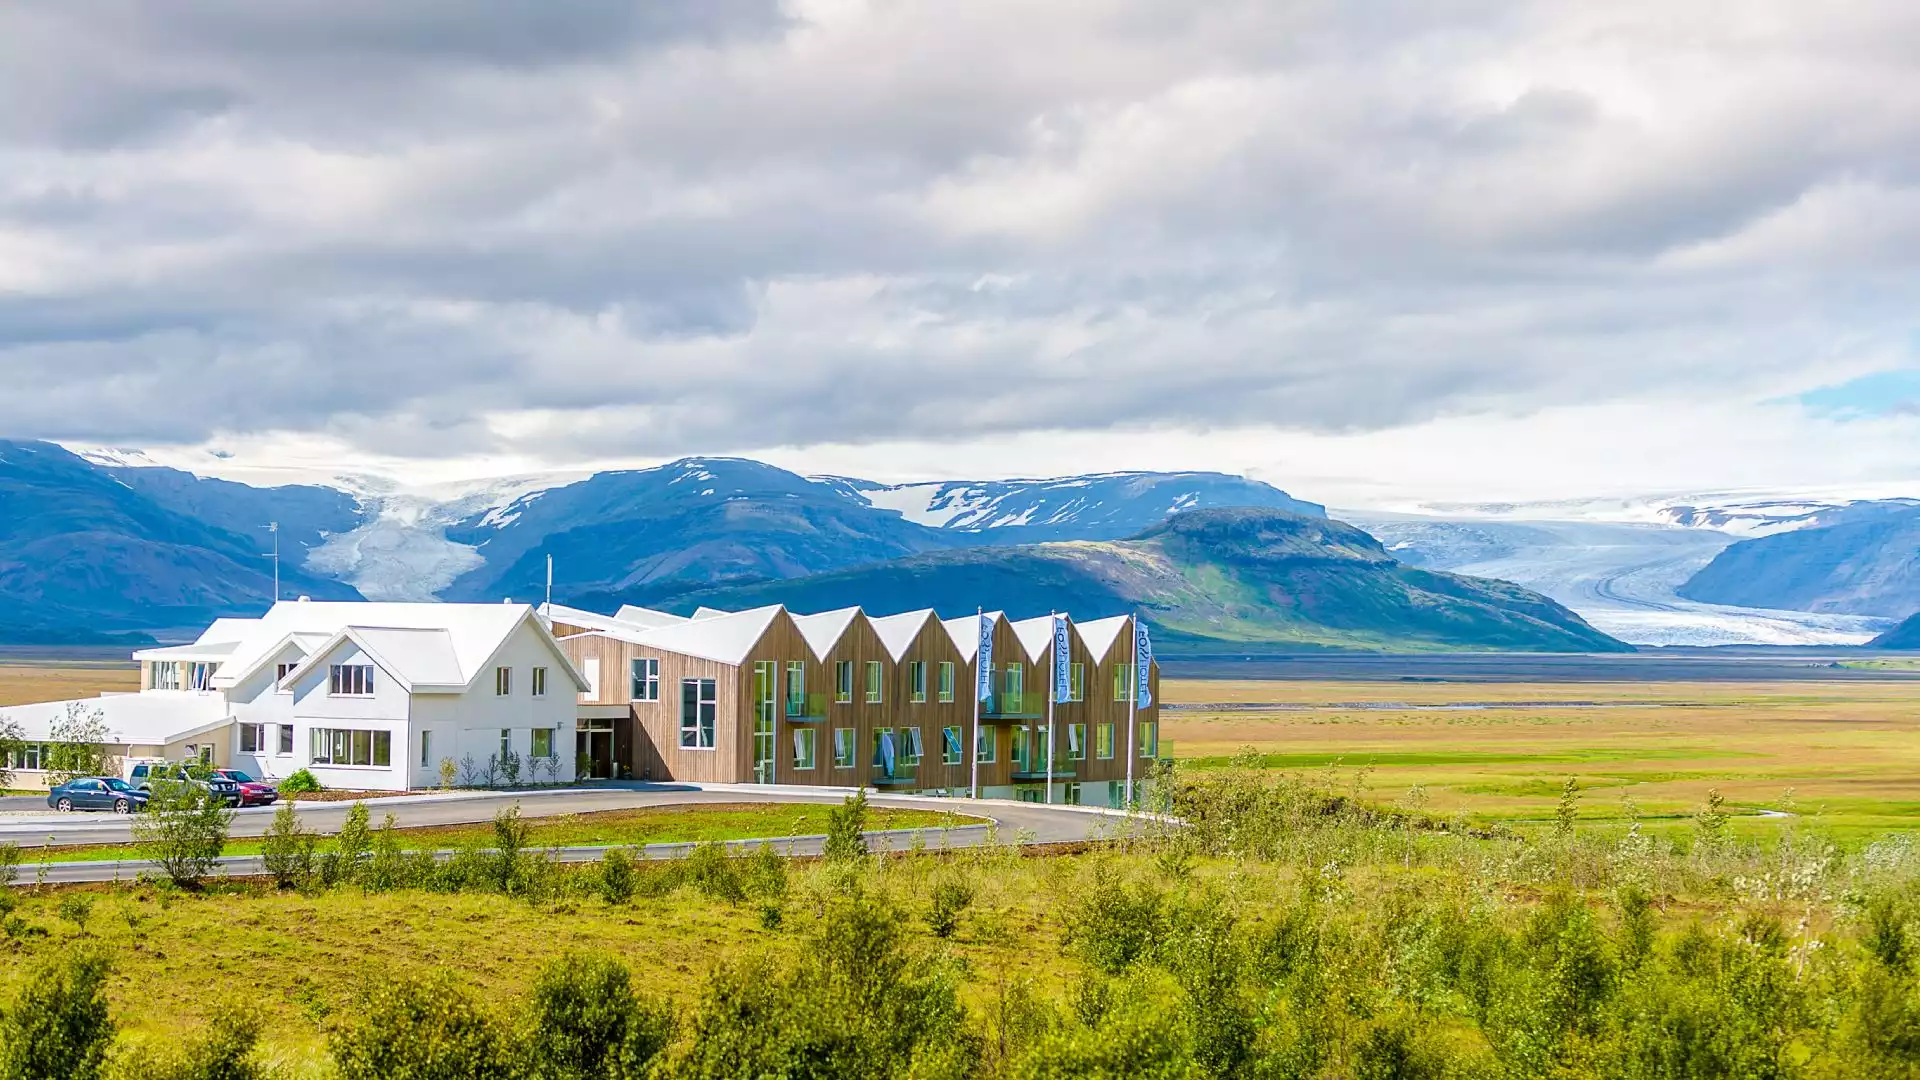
[{"x": 811, "y": 707}]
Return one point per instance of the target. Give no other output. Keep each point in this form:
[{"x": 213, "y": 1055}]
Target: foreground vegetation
[{"x": 1290, "y": 931}]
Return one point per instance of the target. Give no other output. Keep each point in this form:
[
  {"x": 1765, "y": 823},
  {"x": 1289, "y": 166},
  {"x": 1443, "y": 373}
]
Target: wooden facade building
[{"x": 841, "y": 699}]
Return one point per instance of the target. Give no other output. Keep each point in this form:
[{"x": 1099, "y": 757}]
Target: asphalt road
[{"x": 1012, "y": 822}]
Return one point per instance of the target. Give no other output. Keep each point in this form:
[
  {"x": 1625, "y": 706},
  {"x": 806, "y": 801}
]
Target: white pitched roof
[
  {"x": 219, "y": 650},
  {"x": 151, "y": 717},
  {"x": 965, "y": 631},
  {"x": 726, "y": 638},
  {"x": 419, "y": 659},
  {"x": 897, "y": 632},
  {"x": 634, "y": 615},
  {"x": 226, "y": 630},
  {"x": 1099, "y": 635},
  {"x": 473, "y": 631},
  {"x": 1035, "y": 635},
  {"x": 825, "y": 629},
  {"x": 709, "y": 613}
]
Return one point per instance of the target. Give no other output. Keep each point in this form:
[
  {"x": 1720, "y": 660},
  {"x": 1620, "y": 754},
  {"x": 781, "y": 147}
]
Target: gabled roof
[
  {"x": 1035, "y": 635},
  {"x": 1100, "y": 634},
  {"x": 965, "y": 631},
  {"x": 824, "y": 630},
  {"x": 709, "y": 613},
  {"x": 725, "y": 637},
  {"x": 473, "y": 632},
  {"x": 634, "y": 615},
  {"x": 420, "y": 660},
  {"x": 897, "y": 632}
]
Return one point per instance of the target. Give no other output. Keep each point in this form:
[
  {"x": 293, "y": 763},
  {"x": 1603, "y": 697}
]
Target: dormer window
[{"x": 280, "y": 673}]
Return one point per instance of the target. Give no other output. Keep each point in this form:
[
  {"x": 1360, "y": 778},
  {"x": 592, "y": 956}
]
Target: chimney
[{"x": 306, "y": 599}]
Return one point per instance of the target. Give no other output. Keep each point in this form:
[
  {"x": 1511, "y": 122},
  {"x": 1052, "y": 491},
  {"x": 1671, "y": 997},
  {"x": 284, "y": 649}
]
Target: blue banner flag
[
  {"x": 1142, "y": 665},
  {"x": 983, "y": 662},
  {"x": 1062, "y": 660}
]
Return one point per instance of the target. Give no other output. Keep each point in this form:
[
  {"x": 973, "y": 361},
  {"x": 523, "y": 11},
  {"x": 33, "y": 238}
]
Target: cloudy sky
[{"x": 1362, "y": 248}]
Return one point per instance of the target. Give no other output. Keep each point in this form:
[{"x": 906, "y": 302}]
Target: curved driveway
[{"x": 1013, "y": 822}]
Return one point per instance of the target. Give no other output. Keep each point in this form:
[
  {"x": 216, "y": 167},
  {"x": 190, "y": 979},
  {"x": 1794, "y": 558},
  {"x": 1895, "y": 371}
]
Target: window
[
  {"x": 1076, "y": 742},
  {"x": 1122, "y": 681},
  {"x": 347, "y": 746},
  {"x": 280, "y": 673},
  {"x": 804, "y": 745},
  {"x": 286, "y": 738},
  {"x": 1076, "y": 682},
  {"x": 502, "y": 681},
  {"x": 252, "y": 740},
  {"x": 917, "y": 682},
  {"x": 883, "y": 738},
  {"x": 843, "y": 748},
  {"x": 985, "y": 748},
  {"x": 542, "y": 742},
  {"x": 1016, "y": 688},
  {"x": 646, "y": 679},
  {"x": 590, "y": 669},
  {"x": 911, "y": 748},
  {"x": 946, "y": 681},
  {"x": 538, "y": 684},
  {"x": 506, "y": 742},
  {"x": 1149, "y": 739},
  {"x": 426, "y": 749},
  {"x": 1022, "y": 749},
  {"x": 166, "y": 676},
  {"x": 29, "y": 756},
  {"x": 699, "y": 707},
  {"x": 843, "y": 681},
  {"x": 950, "y": 745},
  {"x": 1103, "y": 741},
  {"x": 1070, "y": 793},
  {"x": 873, "y": 682},
  {"x": 200, "y": 676},
  {"x": 351, "y": 680},
  {"x": 796, "y": 688}
]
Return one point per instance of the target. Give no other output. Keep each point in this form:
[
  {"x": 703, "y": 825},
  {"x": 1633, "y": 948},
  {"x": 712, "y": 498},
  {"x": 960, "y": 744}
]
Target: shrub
[
  {"x": 616, "y": 877},
  {"x": 223, "y": 1050},
  {"x": 302, "y": 782},
  {"x": 9, "y": 864},
  {"x": 288, "y": 849},
  {"x": 765, "y": 880},
  {"x": 584, "y": 1022},
  {"x": 58, "y": 1027},
  {"x": 510, "y": 769},
  {"x": 510, "y": 834},
  {"x": 448, "y": 770},
  {"x": 709, "y": 869},
  {"x": 387, "y": 868},
  {"x": 343, "y": 864},
  {"x": 951, "y": 896},
  {"x": 846, "y": 830},
  {"x": 1115, "y": 923},
  {"x": 76, "y": 908},
  {"x": 183, "y": 831},
  {"x": 420, "y": 1029}
]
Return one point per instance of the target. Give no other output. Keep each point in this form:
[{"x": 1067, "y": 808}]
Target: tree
[
  {"x": 58, "y": 1028},
  {"x": 288, "y": 850},
  {"x": 79, "y": 745},
  {"x": 846, "y": 830},
  {"x": 12, "y": 742},
  {"x": 183, "y": 831}
]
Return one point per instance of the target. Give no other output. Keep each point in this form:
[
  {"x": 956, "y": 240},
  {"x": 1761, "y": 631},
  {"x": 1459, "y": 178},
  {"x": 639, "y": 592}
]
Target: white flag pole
[
  {"x": 979, "y": 631},
  {"x": 1133, "y": 699}
]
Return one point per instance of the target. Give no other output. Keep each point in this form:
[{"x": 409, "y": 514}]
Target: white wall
[
  {"x": 469, "y": 725},
  {"x": 387, "y": 709},
  {"x": 256, "y": 701}
]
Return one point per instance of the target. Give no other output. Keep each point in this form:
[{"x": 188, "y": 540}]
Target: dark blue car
[{"x": 97, "y": 793}]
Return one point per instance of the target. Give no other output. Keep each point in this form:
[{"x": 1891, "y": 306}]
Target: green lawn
[{"x": 666, "y": 825}]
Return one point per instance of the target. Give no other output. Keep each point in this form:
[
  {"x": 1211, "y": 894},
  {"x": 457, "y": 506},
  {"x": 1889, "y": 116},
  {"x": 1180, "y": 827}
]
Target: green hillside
[{"x": 1252, "y": 580}]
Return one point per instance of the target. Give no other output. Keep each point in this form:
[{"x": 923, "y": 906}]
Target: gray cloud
[{"x": 597, "y": 229}]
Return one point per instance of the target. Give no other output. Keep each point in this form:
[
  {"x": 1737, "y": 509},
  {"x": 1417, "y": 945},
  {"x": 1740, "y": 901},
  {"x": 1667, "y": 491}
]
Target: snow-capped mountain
[{"x": 1740, "y": 513}]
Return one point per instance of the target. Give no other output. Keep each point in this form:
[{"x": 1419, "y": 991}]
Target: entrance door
[{"x": 594, "y": 747}]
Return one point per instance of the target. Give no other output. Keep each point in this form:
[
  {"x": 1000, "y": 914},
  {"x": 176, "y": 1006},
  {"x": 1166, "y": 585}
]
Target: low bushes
[{"x": 302, "y": 782}]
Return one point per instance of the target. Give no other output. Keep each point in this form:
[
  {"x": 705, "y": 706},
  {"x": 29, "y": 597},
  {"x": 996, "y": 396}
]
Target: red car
[{"x": 252, "y": 792}]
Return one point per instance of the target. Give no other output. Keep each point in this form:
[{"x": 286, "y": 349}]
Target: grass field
[
  {"x": 665, "y": 825},
  {"x": 24, "y": 684},
  {"x": 1843, "y": 756}
]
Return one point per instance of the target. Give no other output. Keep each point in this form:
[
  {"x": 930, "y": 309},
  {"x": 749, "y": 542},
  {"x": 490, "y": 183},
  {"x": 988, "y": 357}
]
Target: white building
[{"x": 367, "y": 696}]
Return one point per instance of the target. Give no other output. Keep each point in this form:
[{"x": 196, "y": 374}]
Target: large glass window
[
  {"x": 252, "y": 738},
  {"x": 1149, "y": 739},
  {"x": 766, "y": 678},
  {"x": 1076, "y": 742},
  {"x": 917, "y": 681},
  {"x": 843, "y": 748},
  {"x": 911, "y": 748},
  {"x": 985, "y": 746},
  {"x": 1122, "y": 681},
  {"x": 796, "y": 688},
  {"x": 1076, "y": 682},
  {"x": 350, "y": 680},
  {"x": 1103, "y": 741},
  {"x": 699, "y": 711},
  {"x": 874, "y": 682},
  {"x": 542, "y": 742},
  {"x": 286, "y": 738},
  {"x": 946, "y": 681},
  {"x": 1023, "y": 749},
  {"x": 843, "y": 681},
  {"x": 351, "y": 746},
  {"x": 804, "y": 740},
  {"x": 646, "y": 679},
  {"x": 1013, "y": 698}
]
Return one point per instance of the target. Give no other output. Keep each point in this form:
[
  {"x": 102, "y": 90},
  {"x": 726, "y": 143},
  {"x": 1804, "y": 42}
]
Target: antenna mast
[
  {"x": 549, "y": 585},
  {"x": 274, "y": 528}
]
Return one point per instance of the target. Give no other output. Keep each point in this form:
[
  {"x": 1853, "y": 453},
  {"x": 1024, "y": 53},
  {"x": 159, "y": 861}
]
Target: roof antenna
[
  {"x": 274, "y": 528},
  {"x": 549, "y": 584}
]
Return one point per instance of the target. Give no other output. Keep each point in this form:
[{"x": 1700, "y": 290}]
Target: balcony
[
  {"x": 1040, "y": 776},
  {"x": 1013, "y": 708},
  {"x": 809, "y": 710}
]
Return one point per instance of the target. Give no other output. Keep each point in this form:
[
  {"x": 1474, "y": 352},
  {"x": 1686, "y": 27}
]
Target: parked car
[
  {"x": 144, "y": 773},
  {"x": 96, "y": 793},
  {"x": 252, "y": 792}
]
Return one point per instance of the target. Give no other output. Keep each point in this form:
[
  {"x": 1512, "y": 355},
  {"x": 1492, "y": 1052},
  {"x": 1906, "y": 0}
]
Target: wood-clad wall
[{"x": 651, "y": 748}]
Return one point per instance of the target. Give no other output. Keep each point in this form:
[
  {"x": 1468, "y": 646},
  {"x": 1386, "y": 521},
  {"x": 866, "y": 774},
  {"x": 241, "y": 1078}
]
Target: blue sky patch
[{"x": 1878, "y": 394}]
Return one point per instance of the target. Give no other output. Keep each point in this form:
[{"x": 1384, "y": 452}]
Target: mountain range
[{"x": 120, "y": 545}]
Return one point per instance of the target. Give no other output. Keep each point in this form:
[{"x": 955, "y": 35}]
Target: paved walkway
[{"x": 1013, "y": 822}]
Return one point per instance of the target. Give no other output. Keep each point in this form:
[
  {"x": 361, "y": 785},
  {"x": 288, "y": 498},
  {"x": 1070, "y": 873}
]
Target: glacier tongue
[{"x": 402, "y": 554}]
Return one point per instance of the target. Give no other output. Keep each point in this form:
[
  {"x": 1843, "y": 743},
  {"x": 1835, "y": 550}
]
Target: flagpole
[
  {"x": 1133, "y": 699},
  {"x": 980, "y": 618},
  {"x": 1051, "y": 637}
]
